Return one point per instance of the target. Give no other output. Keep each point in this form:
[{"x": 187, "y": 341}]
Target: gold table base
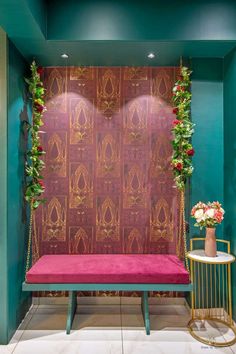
[
  {"x": 211, "y": 341},
  {"x": 211, "y": 298}
]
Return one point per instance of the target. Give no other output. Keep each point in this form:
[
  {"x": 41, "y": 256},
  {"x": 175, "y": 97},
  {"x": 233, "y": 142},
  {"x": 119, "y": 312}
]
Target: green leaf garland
[
  {"x": 182, "y": 129},
  {"x": 34, "y": 165}
]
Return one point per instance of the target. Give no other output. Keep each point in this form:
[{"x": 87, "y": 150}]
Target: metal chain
[
  {"x": 182, "y": 206},
  {"x": 179, "y": 253},
  {"x": 29, "y": 240}
]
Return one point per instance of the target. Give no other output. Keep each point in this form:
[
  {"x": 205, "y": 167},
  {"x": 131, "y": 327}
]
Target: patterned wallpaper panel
[{"x": 109, "y": 184}]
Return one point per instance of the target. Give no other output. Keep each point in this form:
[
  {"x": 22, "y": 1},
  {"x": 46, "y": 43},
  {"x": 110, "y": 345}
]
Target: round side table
[{"x": 211, "y": 300}]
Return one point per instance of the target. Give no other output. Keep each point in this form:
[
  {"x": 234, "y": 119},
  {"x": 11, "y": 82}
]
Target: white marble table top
[{"x": 221, "y": 257}]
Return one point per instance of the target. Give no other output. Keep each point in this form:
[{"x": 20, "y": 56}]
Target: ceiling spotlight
[
  {"x": 65, "y": 56},
  {"x": 151, "y": 56}
]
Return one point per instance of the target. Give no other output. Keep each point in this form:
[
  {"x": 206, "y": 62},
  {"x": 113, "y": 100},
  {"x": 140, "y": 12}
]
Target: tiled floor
[{"x": 109, "y": 329}]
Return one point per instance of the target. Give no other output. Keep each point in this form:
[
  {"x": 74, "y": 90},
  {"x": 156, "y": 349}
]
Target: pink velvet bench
[{"x": 101, "y": 272}]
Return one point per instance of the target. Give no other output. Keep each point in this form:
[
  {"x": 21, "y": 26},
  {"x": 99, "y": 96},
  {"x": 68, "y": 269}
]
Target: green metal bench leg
[
  {"x": 72, "y": 304},
  {"x": 145, "y": 311}
]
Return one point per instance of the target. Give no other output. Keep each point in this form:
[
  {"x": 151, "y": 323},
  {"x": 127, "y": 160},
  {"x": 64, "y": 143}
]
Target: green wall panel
[
  {"x": 207, "y": 114},
  {"x": 230, "y": 159},
  {"x": 3, "y": 188},
  {"x": 18, "y": 301},
  {"x": 13, "y": 302}
]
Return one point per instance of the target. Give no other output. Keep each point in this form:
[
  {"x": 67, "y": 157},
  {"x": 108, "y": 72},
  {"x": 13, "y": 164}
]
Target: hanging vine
[
  {"x": 182, "y": 148},
  {"x": 35, "y": 164},
  {"x": 182, "y": 129}
]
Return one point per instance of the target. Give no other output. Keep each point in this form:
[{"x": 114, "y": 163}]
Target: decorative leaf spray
[{"x": 35, "y": 187}]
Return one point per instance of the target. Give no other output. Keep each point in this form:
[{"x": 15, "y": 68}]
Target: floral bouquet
[{"x": 207, "y": 215}]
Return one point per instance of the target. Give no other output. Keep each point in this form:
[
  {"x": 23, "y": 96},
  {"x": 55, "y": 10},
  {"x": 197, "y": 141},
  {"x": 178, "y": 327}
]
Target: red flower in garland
[
  {"x": 190, "y": 152},
  {"x": 180, "y": 88},
  {"x": 175, "y": 110},
  {"x": 179, "y": 166},
  {"x": 176, "y": 122},
  {"x": 36, "y": 89},
  {"x": 180, "y": 77},
  {"x": 182, "y": 148},
  {"x": 40, "y": 149},
  {"x": 40, "y": 182},
  {"x": 40, "y": 70},
  {"x": 39, "y": 108}
]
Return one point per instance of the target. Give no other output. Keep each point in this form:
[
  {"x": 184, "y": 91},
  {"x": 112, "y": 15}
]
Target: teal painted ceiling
[{"x": 119, "y": 32}]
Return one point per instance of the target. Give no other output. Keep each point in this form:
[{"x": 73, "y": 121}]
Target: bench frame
[{"x": 73, "y": 288}]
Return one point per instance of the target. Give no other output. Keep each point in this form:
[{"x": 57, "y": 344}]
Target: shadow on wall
[{"x": 23, "y": 146}]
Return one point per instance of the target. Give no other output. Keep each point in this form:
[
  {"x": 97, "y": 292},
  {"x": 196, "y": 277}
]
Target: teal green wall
[
  {"x": 141, "y": 20},
  {"x": 17, "y": 215},
  {"x": 39, "y": 11},
  {"x": 121, "y": 32},
  {"x": 230, "y": 159},
  {"x": 207, "y": 114},
  {"x": 15, "y": 303},
  {"x": 3, "y": 187}
]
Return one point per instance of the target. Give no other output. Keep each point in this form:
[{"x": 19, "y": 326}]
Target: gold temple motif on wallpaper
[
  {"x": 80, "y": 186},
  {"x": 109, "y": 91},
  {"x": 81, "y": 121},
  {"x": 56, "y": 157}
]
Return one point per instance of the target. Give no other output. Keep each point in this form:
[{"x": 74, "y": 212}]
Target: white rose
[
  {"x": 203, "y": 218},
  {"x": 199, "y": 214},
  {"x": 210, "y": 213}
]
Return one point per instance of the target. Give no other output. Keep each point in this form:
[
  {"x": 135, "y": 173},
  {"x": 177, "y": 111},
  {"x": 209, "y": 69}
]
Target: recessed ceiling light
[
  {"x": 65, "y": 56},
  {"x": 151, "y": 56}
]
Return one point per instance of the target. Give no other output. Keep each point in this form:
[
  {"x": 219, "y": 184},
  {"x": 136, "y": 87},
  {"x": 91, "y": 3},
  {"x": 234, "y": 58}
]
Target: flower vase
[{"x": 210, "y": 242}]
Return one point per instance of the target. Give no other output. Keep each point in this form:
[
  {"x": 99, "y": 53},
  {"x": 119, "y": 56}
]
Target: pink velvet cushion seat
[{"x": 109, "y": 268}]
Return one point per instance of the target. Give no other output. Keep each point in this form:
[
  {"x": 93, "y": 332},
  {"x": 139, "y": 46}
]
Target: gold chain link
[
  {"x": 29, "y": 240},
  {"x": 179, "y": 253},
  {"x": 182, "y": 207}
]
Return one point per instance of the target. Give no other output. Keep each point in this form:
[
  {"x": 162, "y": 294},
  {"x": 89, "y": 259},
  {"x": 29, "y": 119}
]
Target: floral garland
[
  {"x": 182, "y": 129},
  {"x": 34, "y": 164}
]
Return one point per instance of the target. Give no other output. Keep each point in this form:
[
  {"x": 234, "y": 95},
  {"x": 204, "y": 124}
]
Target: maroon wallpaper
[{"x": 109, "y": 184}]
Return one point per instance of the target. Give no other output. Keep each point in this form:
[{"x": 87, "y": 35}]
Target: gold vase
[{"x": 210, "y": 242}]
